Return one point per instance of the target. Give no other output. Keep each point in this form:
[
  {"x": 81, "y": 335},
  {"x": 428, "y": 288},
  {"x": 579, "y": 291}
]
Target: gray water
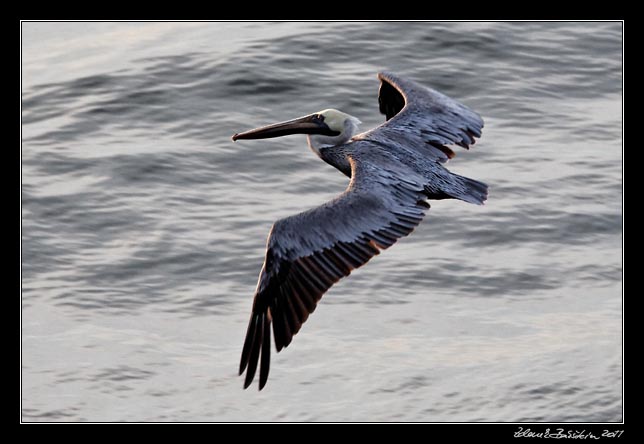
[{"x": 144, "y": 225}]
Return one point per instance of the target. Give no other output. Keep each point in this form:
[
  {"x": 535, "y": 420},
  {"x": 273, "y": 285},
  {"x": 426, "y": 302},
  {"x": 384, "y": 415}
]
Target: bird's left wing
[
  {"x": 424, "y": 119},
  {"x": 307, "y": 253}
]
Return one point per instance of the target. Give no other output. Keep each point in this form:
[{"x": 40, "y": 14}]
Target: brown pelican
[{"x": 394, "y": 168}]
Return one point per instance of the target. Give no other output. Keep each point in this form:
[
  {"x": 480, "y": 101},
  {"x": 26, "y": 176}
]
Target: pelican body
[{"x": 394, "y": 169}]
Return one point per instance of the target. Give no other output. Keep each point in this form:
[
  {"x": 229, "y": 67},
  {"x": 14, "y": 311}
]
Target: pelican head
[{"x": 326, "y": 128}]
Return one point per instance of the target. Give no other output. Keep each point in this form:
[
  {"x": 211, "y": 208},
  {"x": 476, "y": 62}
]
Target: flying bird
[{"x": 394, "y": 168}]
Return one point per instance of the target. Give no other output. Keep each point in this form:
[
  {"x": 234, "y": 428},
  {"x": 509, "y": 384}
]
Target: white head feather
[{"x": 343, "y": 123}]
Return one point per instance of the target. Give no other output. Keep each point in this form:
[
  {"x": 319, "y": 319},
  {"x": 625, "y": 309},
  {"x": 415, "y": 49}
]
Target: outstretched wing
[
  {"x": 426, "y": 120},
  {"x": 307, "y": 253}
]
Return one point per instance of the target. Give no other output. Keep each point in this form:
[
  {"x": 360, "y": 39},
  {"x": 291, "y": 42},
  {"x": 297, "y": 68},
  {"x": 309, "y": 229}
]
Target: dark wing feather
[
  {"x": 424, "y": 119},
  {"x": 307, "y": 253}
]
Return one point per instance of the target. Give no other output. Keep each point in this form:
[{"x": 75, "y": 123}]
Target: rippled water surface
[{"x": 144, "y": 226}]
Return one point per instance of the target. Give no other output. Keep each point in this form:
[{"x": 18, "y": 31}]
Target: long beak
[{"x": 311, "y": 124}]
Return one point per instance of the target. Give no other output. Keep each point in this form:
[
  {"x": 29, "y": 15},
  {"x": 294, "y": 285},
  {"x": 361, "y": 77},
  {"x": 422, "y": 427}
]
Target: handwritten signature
[{"x": 566, "y": 434}]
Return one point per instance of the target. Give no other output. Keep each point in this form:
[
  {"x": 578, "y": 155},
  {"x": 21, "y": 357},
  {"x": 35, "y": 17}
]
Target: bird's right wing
[
  {"x": 307, "y": 253},
  {"x": 422, "y": 119}
]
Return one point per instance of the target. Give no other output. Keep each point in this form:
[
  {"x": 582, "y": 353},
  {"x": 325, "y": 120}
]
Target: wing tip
[{"x": 256, "y": 350}]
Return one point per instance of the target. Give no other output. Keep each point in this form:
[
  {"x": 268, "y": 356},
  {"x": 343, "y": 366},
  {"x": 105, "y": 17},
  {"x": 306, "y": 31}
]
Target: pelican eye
[{"x": 319, "y": 117}]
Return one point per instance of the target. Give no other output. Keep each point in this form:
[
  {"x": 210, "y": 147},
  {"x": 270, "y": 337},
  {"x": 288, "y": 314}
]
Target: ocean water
[{"x": 144, "y": 225}]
